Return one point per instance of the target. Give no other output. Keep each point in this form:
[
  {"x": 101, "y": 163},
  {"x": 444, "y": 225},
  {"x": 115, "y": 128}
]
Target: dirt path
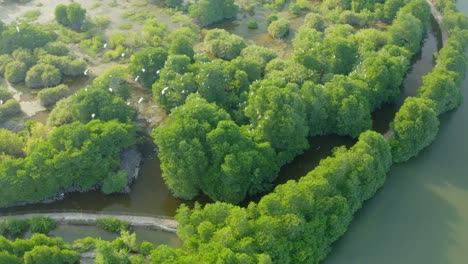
[{"x": 164, "y": 224}]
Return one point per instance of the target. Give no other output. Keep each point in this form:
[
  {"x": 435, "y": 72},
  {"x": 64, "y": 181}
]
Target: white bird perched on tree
[
  {"x": 158, "y": 71},
  {"x": 141, "y": 100},
  {"x": 86, "y": 72},
  {"x": 143, "y": 70},
  {"x": 110, "y": 90},
  {"x": 164, "y": 90},
  {"x": 1, "y": 102},
  {"x": 105, "y": 45},
  {"x": 93, "y": 115},
  {"x": 136, "y": 79},
  {"x": 128, "y": 103},
  {"x": 122, "y": 55}
]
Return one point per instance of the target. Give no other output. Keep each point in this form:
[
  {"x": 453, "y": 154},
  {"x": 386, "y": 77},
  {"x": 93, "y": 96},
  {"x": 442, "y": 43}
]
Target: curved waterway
[
  {"x": 421, "y": 214},
  {"x": 150, "y": 195}
]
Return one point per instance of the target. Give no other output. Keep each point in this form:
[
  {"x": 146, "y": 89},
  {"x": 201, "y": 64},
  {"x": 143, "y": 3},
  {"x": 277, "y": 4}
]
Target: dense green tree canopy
[
  {"x": 224, "y": 45},
  {"x": 72, "y": 15},
  {"x": 146, "y": 64},
  {"x": 43, "y": 75},
  {"x": 182, "y": 145},
  {"x": 414, "y": 128},
  {"x": 279, "y": 28},
  {"x": 207, "y": 12}
]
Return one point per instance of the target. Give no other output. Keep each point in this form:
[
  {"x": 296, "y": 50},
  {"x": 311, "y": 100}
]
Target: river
[{"x": 421, "y": 214}]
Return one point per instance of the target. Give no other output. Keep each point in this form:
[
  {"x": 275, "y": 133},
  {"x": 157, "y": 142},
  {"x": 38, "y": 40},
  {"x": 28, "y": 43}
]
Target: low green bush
[
  {"x": 279, "y": 28},
  {"x": 42, "y": 224},
  {"x": 146, "y": 248},
  {"x": 84, "y": 244},
  {"x": 252, "y": 24},
  {"x": 50, "y": 96},
  {"x": 112, "y": 224},
  {"x": 9, "y": 109},
  {"x": 16, "y": 227}
]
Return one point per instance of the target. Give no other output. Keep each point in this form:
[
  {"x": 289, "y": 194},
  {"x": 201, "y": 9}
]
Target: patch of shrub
[
  {"x": 16, "y": 227},
  {"x": 50, "y": 96},
  {"x": 41, "y": 224},
  {"x": 112, "y": 224}
]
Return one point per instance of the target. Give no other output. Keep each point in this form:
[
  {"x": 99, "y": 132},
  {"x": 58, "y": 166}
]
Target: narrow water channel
[{"x": 421, "y": 214}]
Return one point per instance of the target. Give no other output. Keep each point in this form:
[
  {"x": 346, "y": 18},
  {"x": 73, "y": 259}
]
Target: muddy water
[{"x": 421, "y": 214}]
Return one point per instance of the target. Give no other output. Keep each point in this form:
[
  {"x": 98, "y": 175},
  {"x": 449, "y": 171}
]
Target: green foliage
[
  {"x": 259, "y": 54},
  {"x": 10, "y": 143},
  {"x": 295, "y": 9},
  {"x": 4, "y": 60},
  {"x": 51, "y": 95},
  {"x": 106, "y": 253},
  {"x": 182, "y": 139},
  {"x": 391, "y": 8},
  {"x": 224, "y": 45},
  {"x": 43, "y": 75},
  {"x": 50, "y": 255},
  {"x": 252, "y": 24},
  {"x": 277, "y": 115},
  {"x": 146, "y": 248},
  {"x": 289, "y": 71},
  {"x": 71, "y": 154},
  {"x": 84, "y": 244},
  {"x": 16, "y": 226},
  {"x": 15, "y": 71},
  {"x": 173, "y": 3},
  {"x": 28, "y": 36},
  {"x": 43, "y": 225},
  {"x": 9, "y": 109},
  {"x": 406, "y": 31},
  {"x": 279, "y": 28},
  {"x": 314, "y": 21},
  {"x": 415, "y": 127},
  {"x": 163, "y": 254},
  {"x": 72, "y": 16},
  {"x": 146, "y": 64},
  {"x": 238, "y": 165},
  {"x": 439, "y": 86},
  {"x": 115, "y": 182},
  {"x": 153, "y": 32},
  {"x": 207, "y": 12},
  {"x": 176, "y": 82},
  {"x": 112, "y": 224},
  {"x": 87, "y": 102},
  {"x": 6, "y": 257},
  {"x": 61, "y": 14},
  {"x": 340, "y": 106},
  {"x": 384, "y": 75},
  {"x": 182, "y": 45},
  {"x": 25, "y": 56},
  {"x": 313, "y": 211},
  {"x": 57, "y": 48}
]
